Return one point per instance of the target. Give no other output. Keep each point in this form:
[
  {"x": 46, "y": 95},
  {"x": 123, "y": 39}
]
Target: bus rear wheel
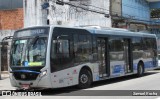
[
  {"x": 140, "y": 70},
  {"x": 85, "y": 79}
]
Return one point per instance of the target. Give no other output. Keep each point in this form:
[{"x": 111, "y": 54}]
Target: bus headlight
[{"x": 43, "y": 73}]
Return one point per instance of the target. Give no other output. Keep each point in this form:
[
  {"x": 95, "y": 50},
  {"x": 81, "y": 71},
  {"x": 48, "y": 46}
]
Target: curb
[{"x": 4, "y": 72}]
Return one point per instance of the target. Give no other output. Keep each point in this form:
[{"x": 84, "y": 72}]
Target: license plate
[{"x": 25, "y": 86}]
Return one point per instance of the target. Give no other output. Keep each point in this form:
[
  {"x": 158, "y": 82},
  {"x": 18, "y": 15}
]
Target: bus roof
[
  {"x": 110, "y": 31},
  {"x": 102, "y": 30},
  {"x": 116, "y": 31},
  {"x": 113, "y": 31}
]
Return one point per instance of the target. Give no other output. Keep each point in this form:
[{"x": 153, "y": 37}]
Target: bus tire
[
  {"x": 85, "y": 79},
  {"x": 140, "y": 69}
]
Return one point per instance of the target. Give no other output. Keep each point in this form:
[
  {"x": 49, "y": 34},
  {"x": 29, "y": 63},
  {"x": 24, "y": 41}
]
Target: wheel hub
[{"x": 84, "y": 78}]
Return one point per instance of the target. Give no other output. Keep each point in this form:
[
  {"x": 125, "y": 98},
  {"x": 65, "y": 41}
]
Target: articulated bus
[{"x": 57, "y": 56}]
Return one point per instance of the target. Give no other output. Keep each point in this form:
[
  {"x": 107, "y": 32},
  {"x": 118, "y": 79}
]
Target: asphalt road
[{"x": 119, "y": 86}]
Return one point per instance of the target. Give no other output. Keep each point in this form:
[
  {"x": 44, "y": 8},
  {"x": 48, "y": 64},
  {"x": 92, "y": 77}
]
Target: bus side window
[
  {"x": 150, "y": 47},
  {"x": 60, "y": 54},
  {"x": 94, "y": 49},
  {"x": 82, "y": 48}
]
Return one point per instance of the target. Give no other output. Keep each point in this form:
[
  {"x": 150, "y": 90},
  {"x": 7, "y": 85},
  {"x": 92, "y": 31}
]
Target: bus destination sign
[{"x": 31, "y": 32}]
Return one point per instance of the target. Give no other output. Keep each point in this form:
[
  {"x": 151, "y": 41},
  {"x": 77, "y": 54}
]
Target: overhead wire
[
  {"x": 86, "y": 9},
  {"x": 103, "y": 12}
]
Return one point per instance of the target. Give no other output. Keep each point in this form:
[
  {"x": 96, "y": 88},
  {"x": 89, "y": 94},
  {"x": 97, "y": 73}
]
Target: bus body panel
[
  {"x": 70, "y": 77},
  {"x": 40, "y": 82}
]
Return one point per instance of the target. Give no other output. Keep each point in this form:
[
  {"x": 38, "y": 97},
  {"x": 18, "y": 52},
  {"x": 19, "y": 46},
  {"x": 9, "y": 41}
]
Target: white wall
[
  {"x": 5, "y": 33},
  {"x": 33, "y": 13},
  {"x": 66, "y": 15},
  {"x": 72, "y": 16}
]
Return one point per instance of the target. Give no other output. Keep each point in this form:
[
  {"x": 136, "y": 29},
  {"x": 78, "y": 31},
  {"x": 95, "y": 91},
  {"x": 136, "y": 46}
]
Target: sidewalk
[
  {"x": 5, "y": 82},
  {"x": 4, "y": 75}
]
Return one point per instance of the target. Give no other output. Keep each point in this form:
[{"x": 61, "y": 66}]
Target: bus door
[
  {"x": 128, "y": 56},
  {"x": 102, "y": 57}
]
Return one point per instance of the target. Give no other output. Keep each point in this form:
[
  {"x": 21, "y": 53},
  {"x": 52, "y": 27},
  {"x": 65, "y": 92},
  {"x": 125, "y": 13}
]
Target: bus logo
[{"x": 23, "y": 76}]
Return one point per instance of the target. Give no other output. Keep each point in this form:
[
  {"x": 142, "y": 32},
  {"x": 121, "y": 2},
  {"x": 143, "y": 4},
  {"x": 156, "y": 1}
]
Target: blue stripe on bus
[
  {"x": 118, "y": 69},
  {"x": 135, "y": 66},
  {"x": 25, "y": 71},
  {"x": 149, "y": 64}
]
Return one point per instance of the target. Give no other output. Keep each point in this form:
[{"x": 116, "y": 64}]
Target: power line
[
  {"x": 92, "y": 10},
  {"x": 102, "y": 12},
  {"x": 95, "y": 7},
  {"x": 76, "y": 6}
]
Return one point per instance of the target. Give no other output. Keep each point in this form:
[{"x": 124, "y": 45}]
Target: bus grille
[{"x": 25, "y": 76}]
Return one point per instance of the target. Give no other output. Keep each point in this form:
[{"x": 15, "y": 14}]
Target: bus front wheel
[{"x": 85, "y": 78}]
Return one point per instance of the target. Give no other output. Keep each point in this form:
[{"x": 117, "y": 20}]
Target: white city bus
[{"x": 56, "y": 56}]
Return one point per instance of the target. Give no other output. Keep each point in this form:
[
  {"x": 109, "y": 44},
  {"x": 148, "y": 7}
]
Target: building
[
  {"x": 137, "y": 15},
  {"x": 130, "y": 14},
  {"x": 33, "y": 13},
  {"x": 11, "y": 19},
  {"x": 133, "y": 14},
  {"x": 84, "y": 12},
  {"x": 71, "y": 13},
  {"x": 109, "y": 13},
  {"x": 155, "y": 18}
]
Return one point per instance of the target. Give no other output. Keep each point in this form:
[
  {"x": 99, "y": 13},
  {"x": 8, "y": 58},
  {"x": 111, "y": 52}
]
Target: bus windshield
[{"x": 29, "y": 52}]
